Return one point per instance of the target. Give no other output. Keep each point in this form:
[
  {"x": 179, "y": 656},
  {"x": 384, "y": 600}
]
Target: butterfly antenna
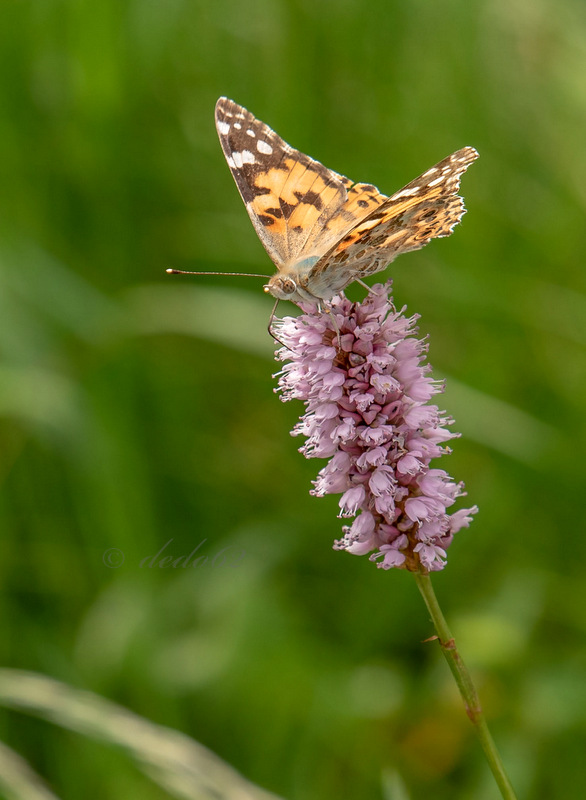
[
  {"x": 238, "y": 275},
  {"x": 233, "y": 274}
]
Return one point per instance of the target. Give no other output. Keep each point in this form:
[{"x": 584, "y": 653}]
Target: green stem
[{"x": 465, "y": 685}]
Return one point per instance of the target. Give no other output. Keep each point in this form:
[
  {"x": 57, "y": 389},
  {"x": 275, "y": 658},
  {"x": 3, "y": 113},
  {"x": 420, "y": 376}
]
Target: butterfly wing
[
  {"x": 426, "y": 208},
  {"x": 298, "y": 207}
]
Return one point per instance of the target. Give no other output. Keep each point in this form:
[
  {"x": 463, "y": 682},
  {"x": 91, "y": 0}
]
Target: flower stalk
[{"x": 465, "y": 685}]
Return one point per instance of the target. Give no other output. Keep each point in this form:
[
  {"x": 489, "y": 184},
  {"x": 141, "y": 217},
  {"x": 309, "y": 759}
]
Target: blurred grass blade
[
  {"x": 393, "y": 786},
  {"x": 182, "y": 766},
  {"x": 232, "y": 317},
  {"x": 54, "y": 290},
  {"x": 41, "y": 399},
  {"x": 500, "y": 425},
  {"x": 17, "y": 779}
]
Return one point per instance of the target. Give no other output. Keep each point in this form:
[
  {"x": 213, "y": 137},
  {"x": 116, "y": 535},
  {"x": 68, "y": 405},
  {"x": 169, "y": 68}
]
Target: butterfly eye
[{"x": 288, "y": 285}]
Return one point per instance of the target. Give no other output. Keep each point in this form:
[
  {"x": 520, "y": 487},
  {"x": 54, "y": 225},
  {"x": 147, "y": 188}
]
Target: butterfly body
[{"x": 321, "y": 230}]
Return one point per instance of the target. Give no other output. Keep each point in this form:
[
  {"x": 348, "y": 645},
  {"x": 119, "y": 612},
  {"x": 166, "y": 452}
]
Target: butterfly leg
[
  {"x": 270, "y": 327},
  {"x": 368, "y": 288}
]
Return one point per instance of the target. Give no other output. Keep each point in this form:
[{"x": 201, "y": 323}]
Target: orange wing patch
[{"x": 363, "y": 198}]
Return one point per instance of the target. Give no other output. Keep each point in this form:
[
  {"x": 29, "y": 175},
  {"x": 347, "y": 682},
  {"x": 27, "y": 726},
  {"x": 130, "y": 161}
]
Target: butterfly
[{"x": 321, "y": 230}]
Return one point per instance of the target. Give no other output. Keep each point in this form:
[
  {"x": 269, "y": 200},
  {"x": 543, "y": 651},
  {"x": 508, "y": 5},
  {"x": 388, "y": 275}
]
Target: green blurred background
[{"x": 138, "y": 408}]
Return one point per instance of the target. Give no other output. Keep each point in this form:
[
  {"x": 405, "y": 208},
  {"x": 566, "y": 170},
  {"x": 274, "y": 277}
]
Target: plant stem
[{"x": 465, "y": 685}]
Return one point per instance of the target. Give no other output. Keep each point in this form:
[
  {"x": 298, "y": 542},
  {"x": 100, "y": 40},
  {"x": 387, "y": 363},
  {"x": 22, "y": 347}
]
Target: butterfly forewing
[{"x": 289, "y": 196}]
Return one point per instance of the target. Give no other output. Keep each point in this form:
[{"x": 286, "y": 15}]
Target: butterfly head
[{"x": 282, "y": 287}]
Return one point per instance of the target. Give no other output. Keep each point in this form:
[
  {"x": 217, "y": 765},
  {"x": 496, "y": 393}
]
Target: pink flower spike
[{"x": 360, "y": 370}]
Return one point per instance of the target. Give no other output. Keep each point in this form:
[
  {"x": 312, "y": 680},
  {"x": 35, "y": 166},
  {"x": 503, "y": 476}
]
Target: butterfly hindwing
[{"x": 427, "y": 208}]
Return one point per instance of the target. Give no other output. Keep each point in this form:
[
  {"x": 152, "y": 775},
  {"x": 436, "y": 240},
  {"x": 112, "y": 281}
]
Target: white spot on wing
[
  {"x": 245, "y": 157},
  {"x": 436, "y": 181},
  {"x": 408, "y": 192},
  {"x": 263, "y": 147},
  {"x": 223, "y": 127},
  {"x": 250, "y": 132},
  {"x": 237, "y": 125},
  {"x": 369, "y": 224}
]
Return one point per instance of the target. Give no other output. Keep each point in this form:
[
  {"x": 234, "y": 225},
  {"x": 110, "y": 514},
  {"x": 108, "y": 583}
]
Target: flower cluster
[{"x": 359, "y": 369}]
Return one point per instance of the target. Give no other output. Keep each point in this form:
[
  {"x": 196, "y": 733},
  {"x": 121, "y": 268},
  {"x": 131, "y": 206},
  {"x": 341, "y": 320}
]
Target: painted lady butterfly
[{"x": 322, "y": 230}]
